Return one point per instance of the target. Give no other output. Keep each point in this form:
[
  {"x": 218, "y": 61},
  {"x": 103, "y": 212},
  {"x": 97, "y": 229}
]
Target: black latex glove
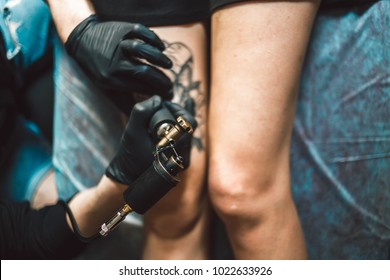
[
  {"x": 136, "y": 149},
  {"x": 110, "y": 52}
]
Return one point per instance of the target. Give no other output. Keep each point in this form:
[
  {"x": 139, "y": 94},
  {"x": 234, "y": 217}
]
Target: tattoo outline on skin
[{"x": 186, "y": 91}]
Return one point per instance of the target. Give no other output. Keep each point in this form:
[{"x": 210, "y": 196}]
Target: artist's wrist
[
  {"x": 67, "y": 14},
  {"x": 110, "y": 189}
]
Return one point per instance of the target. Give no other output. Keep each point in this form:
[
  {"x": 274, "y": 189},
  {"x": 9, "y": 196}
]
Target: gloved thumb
[{"x": 143, "y": 111}]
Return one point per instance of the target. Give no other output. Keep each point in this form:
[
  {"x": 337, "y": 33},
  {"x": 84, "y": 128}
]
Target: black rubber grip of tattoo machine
[
  {"x": 148, "y": 189},
  {"x": 162, "y": 116}
]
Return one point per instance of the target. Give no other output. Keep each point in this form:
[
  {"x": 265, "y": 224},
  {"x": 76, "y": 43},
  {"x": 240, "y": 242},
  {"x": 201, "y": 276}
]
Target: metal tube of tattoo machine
[{"x": 115, "y": 220}]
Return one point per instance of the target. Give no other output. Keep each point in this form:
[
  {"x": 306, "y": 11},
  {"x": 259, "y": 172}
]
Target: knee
[
  {"x": 177, "y": 213},
  {"x": 228, "y": 195},
  {"x": 238, "y": 195},
  {"x": 174, "y": 224}
]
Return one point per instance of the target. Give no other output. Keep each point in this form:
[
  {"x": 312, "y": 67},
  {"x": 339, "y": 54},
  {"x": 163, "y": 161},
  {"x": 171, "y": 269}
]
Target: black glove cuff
[
  {"x": 72, "y": 42},
  {"x": 117, "y": 176}
]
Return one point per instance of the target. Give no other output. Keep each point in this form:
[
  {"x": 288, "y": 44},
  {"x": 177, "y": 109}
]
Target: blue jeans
[
  {"x": 87, "y": 128},
  {"x": 340, "y": 156},
  {"x": 28, "y": 162},
  {"x": 27, "y": 31}
]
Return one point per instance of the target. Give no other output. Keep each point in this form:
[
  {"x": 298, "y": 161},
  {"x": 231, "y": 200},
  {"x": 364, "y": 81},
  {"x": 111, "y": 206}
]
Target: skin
[
  {"x": 257, "y": 53},
  {"x": 67, "y": 14},
  {"x": 93, "y": 207}
]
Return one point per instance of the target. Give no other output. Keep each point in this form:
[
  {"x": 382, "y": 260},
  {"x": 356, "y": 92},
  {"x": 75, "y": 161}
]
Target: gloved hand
[
  {"x": 136, "y": 149},
  {"x": 111, "y": 54}
]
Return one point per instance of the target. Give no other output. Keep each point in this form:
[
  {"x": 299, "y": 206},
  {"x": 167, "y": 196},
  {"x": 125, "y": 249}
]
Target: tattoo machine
[{"x": 161, "y": 176}]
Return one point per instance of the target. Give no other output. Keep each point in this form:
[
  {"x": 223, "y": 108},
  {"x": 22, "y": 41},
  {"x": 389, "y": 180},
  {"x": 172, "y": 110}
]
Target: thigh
[
  {"x": 253, "y": 86},
  {"x": 186, "y": 45}
]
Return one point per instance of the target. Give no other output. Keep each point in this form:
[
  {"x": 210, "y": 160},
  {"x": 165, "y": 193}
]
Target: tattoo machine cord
[{"x": 76, "y": 229}]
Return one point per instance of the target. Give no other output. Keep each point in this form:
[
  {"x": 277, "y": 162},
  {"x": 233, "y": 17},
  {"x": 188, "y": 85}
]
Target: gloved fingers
[
  {"x": 143, "y": 33},
  {"x": 123, "y": 80},
  {"x": 146, "y": 51},
  {"x": 155, "y": 81},
  {"x": 190, "y": 106},
  {"x": 143, "y": 112},
  {"x": 178, "y": 110}
]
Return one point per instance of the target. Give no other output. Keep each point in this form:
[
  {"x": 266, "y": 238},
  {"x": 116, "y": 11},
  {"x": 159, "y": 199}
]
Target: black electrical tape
[{"x": 149, "y": 188}]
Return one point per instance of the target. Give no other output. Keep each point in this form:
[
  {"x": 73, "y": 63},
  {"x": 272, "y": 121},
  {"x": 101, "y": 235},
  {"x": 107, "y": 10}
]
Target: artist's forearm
[
  {"x": 92, "y": 207},
  {"x": 67, "y": 14}
]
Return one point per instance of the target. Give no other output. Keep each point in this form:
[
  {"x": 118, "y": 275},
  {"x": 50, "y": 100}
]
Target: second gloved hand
[{"x": 120, "y": 56}]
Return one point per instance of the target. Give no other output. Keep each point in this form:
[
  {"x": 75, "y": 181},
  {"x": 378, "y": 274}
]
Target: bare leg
[
  {"x": 46, "y": 192},
  {"x": 176, "y": 226},
  {"x": 257, "y": 54}
]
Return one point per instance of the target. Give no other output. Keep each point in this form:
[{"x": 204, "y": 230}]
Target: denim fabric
[
  {"x": 341, "y": 145},
  {"x": 87, "y": 128},
  {"x": 28, "y": 162},
  {"x": 27, "y": 30}
]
